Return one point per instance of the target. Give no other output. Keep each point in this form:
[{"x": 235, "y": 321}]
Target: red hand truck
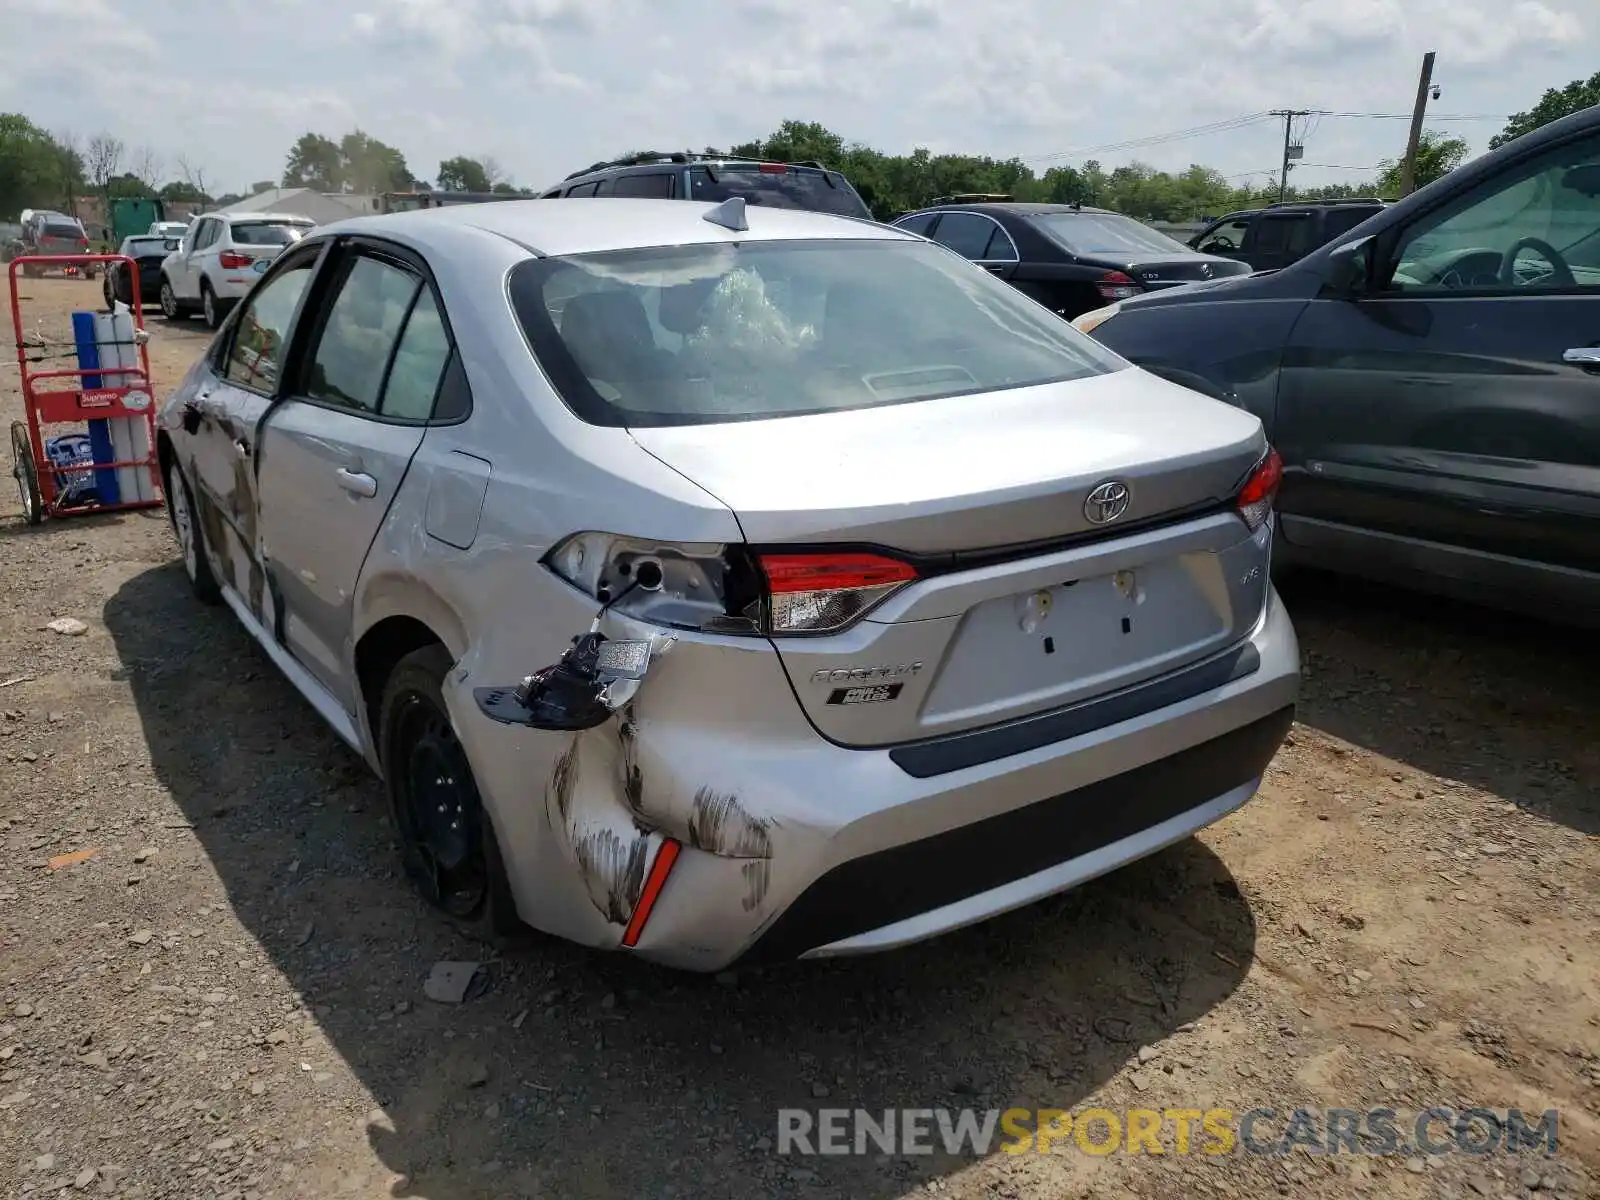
[{"x": 70, "y": 402}]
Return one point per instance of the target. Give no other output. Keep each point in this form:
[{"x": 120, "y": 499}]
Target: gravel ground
[{"x": 223, "y": 995}]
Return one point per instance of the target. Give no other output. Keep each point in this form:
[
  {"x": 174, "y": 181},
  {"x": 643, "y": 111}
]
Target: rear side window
[
  {"x": 966, "y": 233},
  {"x": 793, "y": 187},
  {"x": 267, "y": 233},
  {"x": 917, "y": 223},
  {"x": 739, "y": 331},
  {"x": 1284, "y": 235},
  {"x": 656, "y": 185},
  {"x": 419, "y": 362},
  {"x": 356, "y": 342},
  {"x": 1342, "y": 220}
]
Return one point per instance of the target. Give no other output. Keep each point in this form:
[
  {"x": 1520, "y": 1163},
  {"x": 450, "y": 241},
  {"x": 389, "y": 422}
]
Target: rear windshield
[
  {"x": 267, "y": 233},
  {"x": 796, "y": 187},
  {"x": 146, "y": 245},
  {"x": 1107, "y": 233},
  {"x": 739, "y": 331},
  {"x": 60, "y": 229}
]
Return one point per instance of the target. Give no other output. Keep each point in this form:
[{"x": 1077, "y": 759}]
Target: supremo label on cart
[{"x": 105, "y": 397}]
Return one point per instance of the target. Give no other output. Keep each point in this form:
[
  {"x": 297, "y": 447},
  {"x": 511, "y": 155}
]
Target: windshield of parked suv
[
  {"x": 736, "y": 331},
  {"x": 794, "y": 187},
  {"x": 268, "y": 233},
  {"x": 1106, "y": 233}
]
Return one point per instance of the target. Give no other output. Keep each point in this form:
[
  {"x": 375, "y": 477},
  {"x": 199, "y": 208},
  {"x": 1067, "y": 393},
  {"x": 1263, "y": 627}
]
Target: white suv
[{"x": 221, "y": 256}]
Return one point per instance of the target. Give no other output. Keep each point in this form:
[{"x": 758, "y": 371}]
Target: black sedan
[
  {"x": 1069, "y": 258},
  {"x": 148, "y": 251}
]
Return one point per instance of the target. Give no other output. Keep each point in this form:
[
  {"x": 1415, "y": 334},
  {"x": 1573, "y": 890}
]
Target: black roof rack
[
  {"x": 681, "y": 156},
  {"x": 974, "y": 198},
  {"x": 1339, "y": 200}
]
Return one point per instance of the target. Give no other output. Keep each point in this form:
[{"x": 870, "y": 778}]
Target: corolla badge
[{"x": 1106, "y": 502}]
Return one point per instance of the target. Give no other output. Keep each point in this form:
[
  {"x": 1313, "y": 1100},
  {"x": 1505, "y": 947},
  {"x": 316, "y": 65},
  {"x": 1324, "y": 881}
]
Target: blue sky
[{"x": 547, "y": 86}]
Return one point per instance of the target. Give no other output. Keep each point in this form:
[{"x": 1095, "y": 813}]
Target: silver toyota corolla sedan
[{"x": 720, "y": 583}]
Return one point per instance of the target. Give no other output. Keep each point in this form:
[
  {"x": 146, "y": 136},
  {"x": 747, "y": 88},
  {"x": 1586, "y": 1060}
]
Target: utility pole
[
  {"x": 1288, "y": 115},
  {"x": 1408, "y": 171}
]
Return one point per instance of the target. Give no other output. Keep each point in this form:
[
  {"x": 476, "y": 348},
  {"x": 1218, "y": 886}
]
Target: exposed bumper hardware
[{"x": 592, "y": 679}]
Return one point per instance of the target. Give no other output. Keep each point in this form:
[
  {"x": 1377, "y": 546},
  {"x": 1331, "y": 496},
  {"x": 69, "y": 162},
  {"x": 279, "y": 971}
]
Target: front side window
[
  {"x": 1223, "y": 237},
  {"x": 1535, "y": 228},
  {"x": 739, "y": 331},
  {"x": 359, "y": 336},
  {"x": 261, "y": 335}
]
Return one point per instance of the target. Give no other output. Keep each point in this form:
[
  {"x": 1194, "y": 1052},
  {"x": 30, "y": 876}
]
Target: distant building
[{"x": 321, "y": 207}]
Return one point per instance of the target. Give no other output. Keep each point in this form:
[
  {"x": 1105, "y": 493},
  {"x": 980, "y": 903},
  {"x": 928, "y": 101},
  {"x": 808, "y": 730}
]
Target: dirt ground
[{"x": 224, "y": 998}]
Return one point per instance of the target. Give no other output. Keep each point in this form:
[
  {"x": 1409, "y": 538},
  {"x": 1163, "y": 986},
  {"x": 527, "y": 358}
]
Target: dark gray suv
[{"x": 678, "y": 175}]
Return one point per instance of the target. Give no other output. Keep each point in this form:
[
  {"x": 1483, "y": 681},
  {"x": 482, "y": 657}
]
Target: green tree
[
  {"x": 372, "y": 166},
  {"x": 182, "y": 192},
  {"x": 1437, "y": 156},
  {"x": 314, "y": 162},
  {"x": 463, "y": 174},
  {"x": 36, "y": 171},
  {"x": 357, "y": 162},
  {"x": 1553, "y": 105}
]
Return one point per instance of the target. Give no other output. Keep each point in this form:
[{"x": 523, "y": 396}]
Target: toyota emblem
[{"x": 1106, "y": 502}]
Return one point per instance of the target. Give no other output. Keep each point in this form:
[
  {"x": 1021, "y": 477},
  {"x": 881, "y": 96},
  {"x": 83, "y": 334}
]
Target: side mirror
[{"x": 1348, "y": 271}]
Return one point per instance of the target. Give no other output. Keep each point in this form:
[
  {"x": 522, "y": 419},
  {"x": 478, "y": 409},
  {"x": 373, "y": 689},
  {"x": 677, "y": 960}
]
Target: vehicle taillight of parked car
[{"x": 1115, "y": 285}]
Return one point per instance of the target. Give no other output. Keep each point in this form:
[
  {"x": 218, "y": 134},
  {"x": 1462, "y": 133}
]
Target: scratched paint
[
  {"x": 586, "y": 804},
  {"x": 719, "y": 823},
  {"x": 757, "y": 879}
]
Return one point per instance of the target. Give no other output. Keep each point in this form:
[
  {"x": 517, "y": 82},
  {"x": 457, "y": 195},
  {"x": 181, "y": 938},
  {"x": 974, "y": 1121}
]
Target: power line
[
  {"x": 1375, "y": 116},
  {"x": 1155, "y": 139}
]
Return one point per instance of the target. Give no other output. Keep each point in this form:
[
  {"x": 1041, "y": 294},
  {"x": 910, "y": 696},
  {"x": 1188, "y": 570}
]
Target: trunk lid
[
  {"x": 1023, "y": 603},
  {"x": 1173, "y": 270}
]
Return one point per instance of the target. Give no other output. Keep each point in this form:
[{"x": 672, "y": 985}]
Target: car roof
[
  {"x": 260, "y": 216},
  {"x": 556, "y": 227}
]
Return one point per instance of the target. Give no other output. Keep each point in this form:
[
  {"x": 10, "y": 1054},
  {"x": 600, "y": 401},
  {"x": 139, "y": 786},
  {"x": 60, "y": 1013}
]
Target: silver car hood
[{"x": 970, "y": 472}]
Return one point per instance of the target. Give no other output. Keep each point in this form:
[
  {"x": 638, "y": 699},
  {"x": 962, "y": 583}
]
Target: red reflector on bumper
[{"x": 654, "y": 882}]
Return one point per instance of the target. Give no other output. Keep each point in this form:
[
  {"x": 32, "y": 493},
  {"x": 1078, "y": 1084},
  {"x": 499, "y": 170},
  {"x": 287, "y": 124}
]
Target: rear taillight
[
  {"x": 1260, "y": 490},
  {"x": 232, "y": 260},
  {"x": 83, "y": 243},
  {"x": 1116, "y": 285},
  {"x": 729, "y": 589},
  {"x": 823, "y": 591}
]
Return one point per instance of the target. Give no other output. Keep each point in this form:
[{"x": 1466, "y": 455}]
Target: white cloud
[{"x": 547, "y": 86}]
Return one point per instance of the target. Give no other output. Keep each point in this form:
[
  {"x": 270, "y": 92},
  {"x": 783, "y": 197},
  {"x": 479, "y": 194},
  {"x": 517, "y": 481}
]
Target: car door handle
[
  {"x": 357, "y": 483},
  {"x": 241, "y": 447},
  {"x": 1583, "y": 356}
]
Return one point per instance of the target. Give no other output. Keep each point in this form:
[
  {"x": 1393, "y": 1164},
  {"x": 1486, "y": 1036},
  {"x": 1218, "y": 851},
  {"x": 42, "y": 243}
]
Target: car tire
[
  {"x": 171, "y": 309},
  {"x": 210, "y": 306},
  {"x": 447, "y": 841},
  {"x": 186, "y": 527},
  {"x": 107, "y": 292}
]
